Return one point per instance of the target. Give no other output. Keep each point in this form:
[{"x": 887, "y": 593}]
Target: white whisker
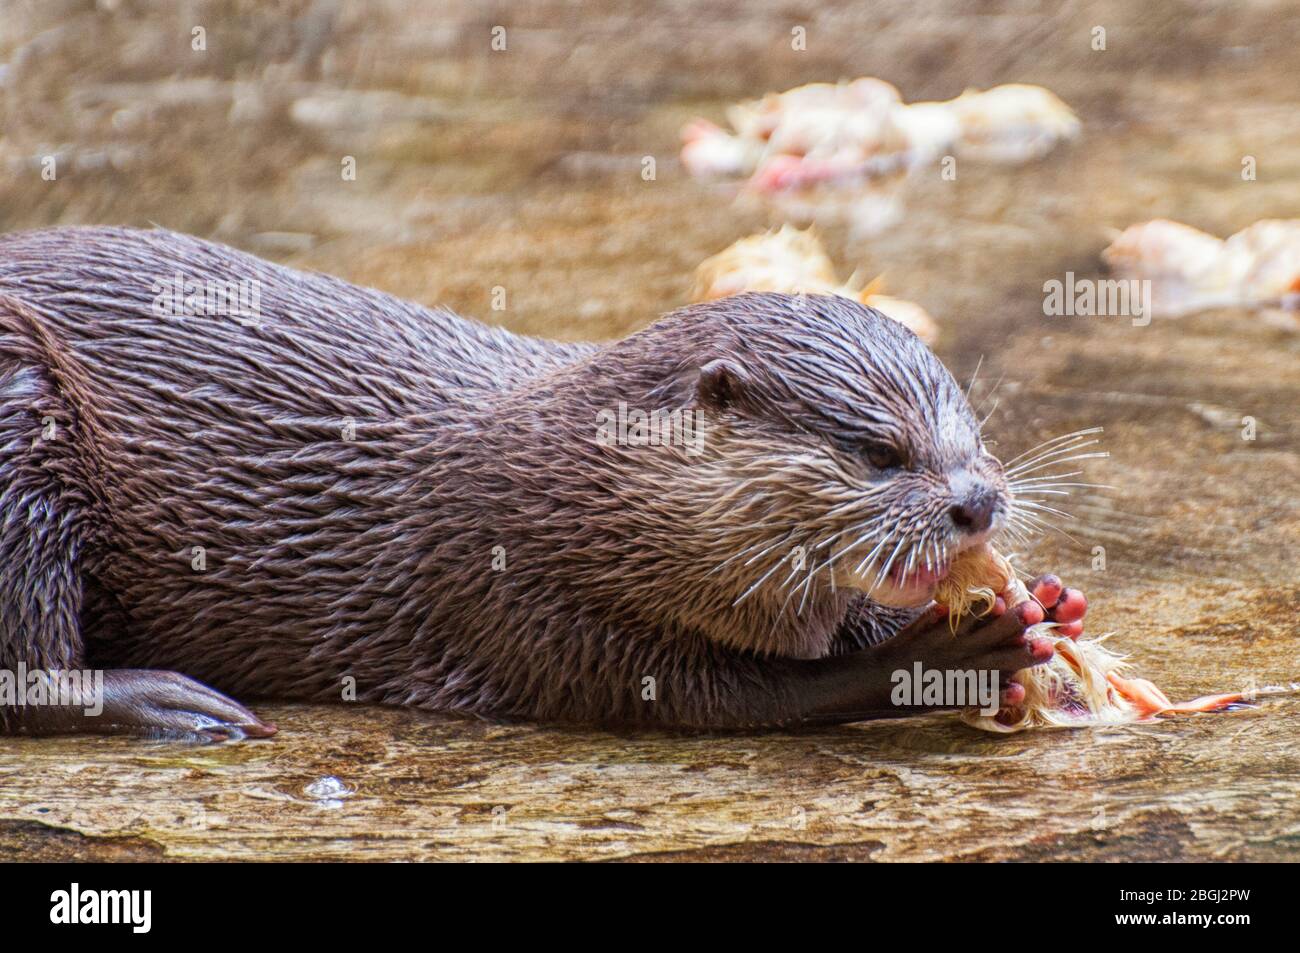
[
  {"x": 1054, "y": 440},
  {"x": 1094, "y": 455}
]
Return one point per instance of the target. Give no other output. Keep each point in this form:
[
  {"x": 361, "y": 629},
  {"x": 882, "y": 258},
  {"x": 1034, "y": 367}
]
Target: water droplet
[{"x": 329, "y": 788}]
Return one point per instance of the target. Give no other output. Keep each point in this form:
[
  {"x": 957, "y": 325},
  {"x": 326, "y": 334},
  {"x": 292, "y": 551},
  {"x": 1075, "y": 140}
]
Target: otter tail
[{"x": 40, "y": 586}]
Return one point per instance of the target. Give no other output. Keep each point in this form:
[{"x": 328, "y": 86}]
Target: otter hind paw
[{"x": 169, "y": 705}]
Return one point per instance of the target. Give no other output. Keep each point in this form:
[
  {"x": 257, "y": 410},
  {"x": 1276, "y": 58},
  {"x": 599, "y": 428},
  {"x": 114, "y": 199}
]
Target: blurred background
[{"x": 522, "y": 168}]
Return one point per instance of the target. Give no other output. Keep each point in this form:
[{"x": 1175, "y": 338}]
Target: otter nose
[{"x": 975, "y": 513}]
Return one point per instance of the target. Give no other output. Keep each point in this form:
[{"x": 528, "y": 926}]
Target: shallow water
[{"x": 522, "y": 170}]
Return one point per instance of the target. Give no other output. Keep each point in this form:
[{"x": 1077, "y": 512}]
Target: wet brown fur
[{"x": 351, "y": 464}]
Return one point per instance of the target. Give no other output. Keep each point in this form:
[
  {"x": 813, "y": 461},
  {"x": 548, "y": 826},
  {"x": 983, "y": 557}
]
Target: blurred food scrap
[
  {"x": 1013, "y": 124},
  {"x": 794, "y": 262},
  {"x": 1191, "y": 270},
  {"x": 853, "y": 131}
]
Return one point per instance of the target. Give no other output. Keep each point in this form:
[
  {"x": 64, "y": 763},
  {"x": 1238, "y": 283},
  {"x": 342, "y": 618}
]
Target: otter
[{"x": 340, "y": 494}]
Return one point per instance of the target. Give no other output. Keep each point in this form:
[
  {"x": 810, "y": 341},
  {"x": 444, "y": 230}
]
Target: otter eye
[{"x": 882, "y": 456}]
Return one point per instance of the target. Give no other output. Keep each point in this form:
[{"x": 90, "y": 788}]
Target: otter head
[{"x": 836, "y": 453}]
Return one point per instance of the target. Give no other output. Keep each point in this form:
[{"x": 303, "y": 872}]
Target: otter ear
[
  {"x": 717, "y": 384},
  {"x": 721, "y": 383}
]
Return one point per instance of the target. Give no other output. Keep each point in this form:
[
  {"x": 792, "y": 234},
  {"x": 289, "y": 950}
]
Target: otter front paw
[{"x": 995, "y": 642}]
